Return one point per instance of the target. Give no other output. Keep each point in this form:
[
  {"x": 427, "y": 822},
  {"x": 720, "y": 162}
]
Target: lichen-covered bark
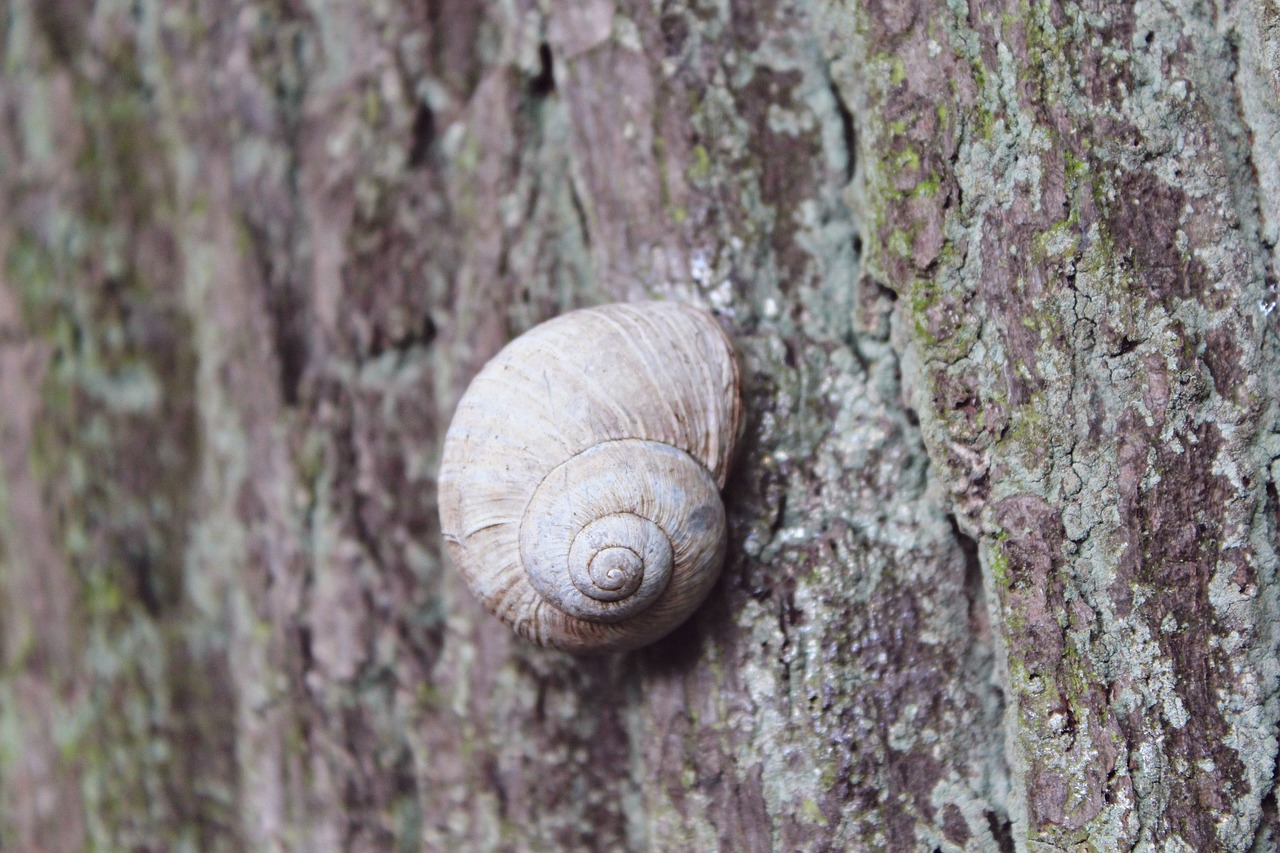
[
  {"x": 1082, "y": 232},
  {"x": 1003, "y": 541}
]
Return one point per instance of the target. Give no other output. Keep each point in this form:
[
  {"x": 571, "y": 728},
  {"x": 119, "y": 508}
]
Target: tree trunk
[{"x": 1003, "y": 547}]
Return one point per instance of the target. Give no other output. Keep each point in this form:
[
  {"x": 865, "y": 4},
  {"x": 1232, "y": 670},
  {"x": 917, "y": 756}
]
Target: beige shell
[{"x": 580, "y": 486}]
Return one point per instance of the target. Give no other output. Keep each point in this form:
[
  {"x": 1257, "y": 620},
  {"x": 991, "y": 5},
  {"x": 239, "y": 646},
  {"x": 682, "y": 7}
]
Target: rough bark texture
[{"x": 1003, "y": 550}]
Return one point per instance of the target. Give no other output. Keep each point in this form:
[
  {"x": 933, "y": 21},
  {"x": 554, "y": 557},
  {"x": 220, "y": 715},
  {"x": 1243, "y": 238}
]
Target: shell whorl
[
  {"x": 605, "y": 530},
  {"x": 579, "y": 491}
]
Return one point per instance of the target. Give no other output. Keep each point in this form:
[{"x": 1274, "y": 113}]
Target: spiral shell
[{"x": 580, "y": 485}]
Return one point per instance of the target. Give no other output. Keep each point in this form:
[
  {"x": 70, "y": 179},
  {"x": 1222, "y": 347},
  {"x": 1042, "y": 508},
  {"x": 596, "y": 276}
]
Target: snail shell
[{"x": 580, "y": 485}]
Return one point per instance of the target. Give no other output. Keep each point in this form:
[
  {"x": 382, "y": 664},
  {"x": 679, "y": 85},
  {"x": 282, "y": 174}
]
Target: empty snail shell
[{"x": 580, "y": 485}]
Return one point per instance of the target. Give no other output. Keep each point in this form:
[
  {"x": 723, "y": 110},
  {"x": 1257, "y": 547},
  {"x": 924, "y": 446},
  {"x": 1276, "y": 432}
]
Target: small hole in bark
[
  {"x": 674, "y": 31},
  {"x": 145, "y": 582},
  {"x": 290, "y": 341},
  {"x": 304, "y": 648},
  {"x": 979, "y": 621},
  {"x": 848, "y": 132},
  {"x": 424, "y": 134},
  {"x": 1270, "y": 811},
  {"x": 789, "y": 355},
  {"x": 1001, "y": 831},
  {"x": 545, "y": 83}
]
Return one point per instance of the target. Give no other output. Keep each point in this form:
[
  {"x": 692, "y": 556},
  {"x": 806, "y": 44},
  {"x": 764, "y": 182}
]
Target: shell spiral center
[
  {"x": 617, "y": 558},
  {"x": 614, "y": 569},
  {"x": 604, "y": 532}
]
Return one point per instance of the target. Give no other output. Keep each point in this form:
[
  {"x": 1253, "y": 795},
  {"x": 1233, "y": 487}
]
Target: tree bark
[{"x": 1004, "y": 540}]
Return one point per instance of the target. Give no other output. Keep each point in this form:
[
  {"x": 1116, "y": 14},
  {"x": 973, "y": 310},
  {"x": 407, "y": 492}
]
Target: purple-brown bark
[{"x": 1003, "y": 546}]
